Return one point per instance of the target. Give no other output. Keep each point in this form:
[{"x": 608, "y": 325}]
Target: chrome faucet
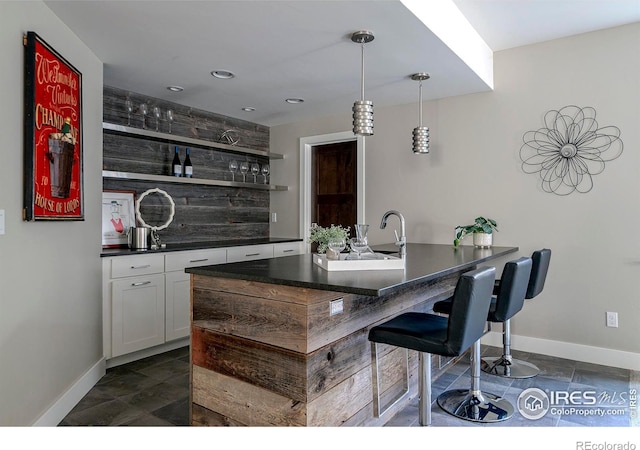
[{"x": 401, "y": 242}]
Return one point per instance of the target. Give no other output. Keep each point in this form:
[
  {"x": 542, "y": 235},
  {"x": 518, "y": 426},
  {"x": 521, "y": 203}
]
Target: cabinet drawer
[
  {"x": 249, "y": 252},
  {"x": 182, "y": 260},
  {"x": 288, "y": 248},
  {"x": 129, "y": 266}
]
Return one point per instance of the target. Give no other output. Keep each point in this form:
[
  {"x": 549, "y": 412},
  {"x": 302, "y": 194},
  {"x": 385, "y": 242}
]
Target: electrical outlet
[
  {"x": 274, "y": 217},
  {"x": 336, "y": 307},
  {"x": 612, "y": 319}
]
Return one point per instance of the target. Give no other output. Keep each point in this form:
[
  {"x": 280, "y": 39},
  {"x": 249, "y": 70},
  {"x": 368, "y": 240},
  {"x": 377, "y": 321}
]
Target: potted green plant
[
  {"x": 323, "y": 235},
  {"x": 482, "y": 230}
]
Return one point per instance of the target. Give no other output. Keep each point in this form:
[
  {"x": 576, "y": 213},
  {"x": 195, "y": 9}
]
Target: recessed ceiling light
[
  {"x": 223, "y": 74},
  {"x": 175, "y": 88},
  {"x": 294, "y": 101},
  {"x": 248, "y": 109}
]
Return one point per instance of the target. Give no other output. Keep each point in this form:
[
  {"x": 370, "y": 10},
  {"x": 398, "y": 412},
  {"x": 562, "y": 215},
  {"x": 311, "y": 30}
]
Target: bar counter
[{"x": 283, "y": 342}]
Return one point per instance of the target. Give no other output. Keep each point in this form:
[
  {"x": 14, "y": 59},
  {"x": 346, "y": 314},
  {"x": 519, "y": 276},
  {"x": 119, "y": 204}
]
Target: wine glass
[
  {"x": 358, "y": 246},
  {"x": 128, "y": 104},
  {"x": 255, "y": 170},
  {"x": 336, "y": 246},
  {"x": 233, "y": 167},
  {"x": 144, "y": 110},
  {"x": 157, "y": 113},
  {"x": 265, "y": 172},
  {"x": 169, "y": 118},
  {"x": 244, "y": 168}
]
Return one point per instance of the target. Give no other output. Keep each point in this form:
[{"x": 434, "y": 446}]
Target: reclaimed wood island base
[{"x": 282, "y": 342}]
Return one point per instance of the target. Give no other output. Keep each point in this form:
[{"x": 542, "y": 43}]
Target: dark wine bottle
[
  {"x": 176, "y": 167},
  {"x": 188, "y": 168}
]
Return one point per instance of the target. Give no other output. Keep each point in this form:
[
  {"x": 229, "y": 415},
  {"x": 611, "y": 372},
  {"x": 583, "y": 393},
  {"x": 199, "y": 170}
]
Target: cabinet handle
[
  {"x": 199, "y": 260},
  {"x": 252, "y": 254},
  {"x": 287, "y": 251},
  {"x": 141, "y": 283},
  {"x": 144, "y": 266}
]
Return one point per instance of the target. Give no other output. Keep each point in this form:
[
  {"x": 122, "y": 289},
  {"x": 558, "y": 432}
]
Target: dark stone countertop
[
  {"x": 196, "y": 246},
  {"x": 423, "y": 263}
]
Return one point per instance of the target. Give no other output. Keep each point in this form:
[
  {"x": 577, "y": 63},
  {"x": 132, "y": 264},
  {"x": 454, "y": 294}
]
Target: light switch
[{"x": 1, "y": 221}]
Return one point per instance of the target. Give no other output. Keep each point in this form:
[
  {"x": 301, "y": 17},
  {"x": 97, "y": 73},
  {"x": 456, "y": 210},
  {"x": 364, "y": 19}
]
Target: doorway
[
  {"x": 333, "y": 184},
  {"x": 308, "y": 169}
]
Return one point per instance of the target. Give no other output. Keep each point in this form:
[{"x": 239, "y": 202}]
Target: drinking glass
[
  {"x": 358, "y": 246},
  {"x": 169, "y": 118},
  {"x": 336, "y": 246},
  {"x": 157, "y": 113},
  {"x": 233, "y": 167},
  {"x": 129, "y": 105},
  {"x": 361, "y": 235},
  {"x": 244, "y": 168},
  {"x": 265, "y": 172},
  {"x": 255, "y": 170},
  {"x": 144, "y": 110}
]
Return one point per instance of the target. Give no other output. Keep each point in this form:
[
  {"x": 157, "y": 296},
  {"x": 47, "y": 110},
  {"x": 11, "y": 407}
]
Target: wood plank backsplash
[{"x": 203, "y": 213}]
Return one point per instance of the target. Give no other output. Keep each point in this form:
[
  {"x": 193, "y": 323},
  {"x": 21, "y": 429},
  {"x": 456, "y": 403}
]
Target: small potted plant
[
  {"x": 482, "y": 231},
  {"x": 324, "y": 235}
]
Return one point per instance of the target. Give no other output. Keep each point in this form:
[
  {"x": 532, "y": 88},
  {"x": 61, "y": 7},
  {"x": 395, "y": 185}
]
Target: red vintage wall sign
[{"x": 53, "y": 135}]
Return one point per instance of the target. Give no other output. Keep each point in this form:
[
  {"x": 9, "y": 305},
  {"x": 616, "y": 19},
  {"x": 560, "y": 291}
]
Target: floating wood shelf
[
  {"x": 172, "y": 138},
  {"x": 169, "y": 179}
]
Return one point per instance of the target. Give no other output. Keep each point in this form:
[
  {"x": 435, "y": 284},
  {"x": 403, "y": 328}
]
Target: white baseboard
[
  {"x": 59, "y": 410},
  {"x": 576, "y": 352},
  {"x": 152, "y": 351},
  {"x": 67, "y": 401}
]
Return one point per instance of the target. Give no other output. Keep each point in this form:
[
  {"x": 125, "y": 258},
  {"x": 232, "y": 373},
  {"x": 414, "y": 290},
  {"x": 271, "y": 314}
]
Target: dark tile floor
[
  {"x": 155, "y": 392},
  {"x": 149, "y": 392}
]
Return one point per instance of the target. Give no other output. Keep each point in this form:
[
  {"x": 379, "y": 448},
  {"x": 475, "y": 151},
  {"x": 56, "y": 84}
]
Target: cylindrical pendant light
[
  {"x": 420, "y": 133},
  {"x": 362, "y": 109}
]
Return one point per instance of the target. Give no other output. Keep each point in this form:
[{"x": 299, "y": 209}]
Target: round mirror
[{"x": 157, "y": 211}]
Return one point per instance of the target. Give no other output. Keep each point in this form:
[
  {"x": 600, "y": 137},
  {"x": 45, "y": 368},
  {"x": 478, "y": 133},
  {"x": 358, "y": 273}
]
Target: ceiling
[{"x": 302, "y": 48}]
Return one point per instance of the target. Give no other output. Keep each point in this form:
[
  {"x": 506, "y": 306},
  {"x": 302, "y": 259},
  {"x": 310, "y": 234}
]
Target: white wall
[
  {"x": 474, "y": 169},
  {"x": 50, "y": 297}
]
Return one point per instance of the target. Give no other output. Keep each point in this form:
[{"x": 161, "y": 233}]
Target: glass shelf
[
  {"x": 169, "y": 179},
  {"x": 173, "y": 139}
]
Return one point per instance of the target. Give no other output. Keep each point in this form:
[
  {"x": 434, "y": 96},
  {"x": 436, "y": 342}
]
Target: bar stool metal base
[
  {"x": 475, "y": 406},
  {"x": 508, "y": 368}
]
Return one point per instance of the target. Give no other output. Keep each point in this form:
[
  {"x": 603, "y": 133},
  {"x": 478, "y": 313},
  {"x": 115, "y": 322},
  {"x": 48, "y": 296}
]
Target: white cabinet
[
  {"x": 146, "y": 297},
  {"x": 135, "y": 290},
  {"x": 288, "y": 248},
  {"x": 249, "y": 252},
  {"x": 138, "y": 313},
  {"x": 178, "y": 287},
  {"x": 136, "y": 265}
]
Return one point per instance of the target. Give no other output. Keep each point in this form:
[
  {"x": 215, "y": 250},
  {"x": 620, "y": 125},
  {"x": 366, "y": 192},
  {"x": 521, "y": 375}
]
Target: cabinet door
[
  {"x": 178, "y": 294},
  {"x": 137, "y": 313}
]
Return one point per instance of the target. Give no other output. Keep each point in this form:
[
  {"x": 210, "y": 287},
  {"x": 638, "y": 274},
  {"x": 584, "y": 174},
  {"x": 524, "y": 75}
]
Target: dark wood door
[{"x": 334, "y": 184}]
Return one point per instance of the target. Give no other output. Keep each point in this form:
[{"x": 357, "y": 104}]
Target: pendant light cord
[
  {"x": 420, "y": 103},
  {"x": 362, "y": 65}
]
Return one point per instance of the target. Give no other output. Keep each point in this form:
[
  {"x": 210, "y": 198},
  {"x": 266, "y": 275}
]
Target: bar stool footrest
[
  {"x": 475, "y": 406},
  {"x": 502, "y": 367}
]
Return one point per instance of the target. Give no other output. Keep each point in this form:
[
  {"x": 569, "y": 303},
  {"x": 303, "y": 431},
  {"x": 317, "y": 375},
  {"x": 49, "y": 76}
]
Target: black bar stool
[
  {"x": 505, "y": 365},
  {"x": 509, "y": 301},
  {"x": 432, "y": 334}
]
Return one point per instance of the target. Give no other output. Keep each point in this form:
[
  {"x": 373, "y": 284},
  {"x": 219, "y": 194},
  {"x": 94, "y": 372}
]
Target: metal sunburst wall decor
[{"x": 569, "y": 150}]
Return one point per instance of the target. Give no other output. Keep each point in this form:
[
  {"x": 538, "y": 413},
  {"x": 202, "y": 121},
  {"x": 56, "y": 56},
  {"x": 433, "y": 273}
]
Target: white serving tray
[{"x": 377, "y": 261}]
